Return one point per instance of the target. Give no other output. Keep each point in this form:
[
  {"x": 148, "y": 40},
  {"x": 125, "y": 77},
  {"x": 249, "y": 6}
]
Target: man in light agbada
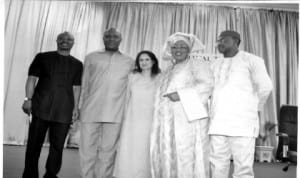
[
  {"x": 104, "y": 84},
  {"x": 241, "y": 87}
]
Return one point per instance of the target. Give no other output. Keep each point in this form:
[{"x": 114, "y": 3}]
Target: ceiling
[
  {"x": 278, "y": 6},
  {"x": 290, "y": 5}
]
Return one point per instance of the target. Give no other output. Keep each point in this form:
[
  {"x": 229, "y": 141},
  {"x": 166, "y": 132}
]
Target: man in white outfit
[
  {"x": 104, "y": 84},
  {"x": 241, "y": 87}
]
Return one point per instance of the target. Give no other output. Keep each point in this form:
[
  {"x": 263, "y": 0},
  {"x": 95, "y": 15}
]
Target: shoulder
[
  {"x": 94, "y": 54},
  {"x": 250, "y": 56},
  {"x": 214, "y": 63},
  {"x": 76, "y": 61},
  {"x": 46, "y": 54},
  {"x": 157, "y": 77},
  {"x": 126, "y": 60},
  {"x": 125, "y": 56},
  {"x": 251, "y": 59},
  {"x": 133, "y": 77},
  {"x": 165, "y": 73}
]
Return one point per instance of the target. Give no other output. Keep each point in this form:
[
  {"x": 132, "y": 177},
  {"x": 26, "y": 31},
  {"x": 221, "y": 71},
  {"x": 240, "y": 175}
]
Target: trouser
[
  {"x": 242, "y": 151},
  {"x": 36, "y": 136},
  {"x": 97, "y": 149}
]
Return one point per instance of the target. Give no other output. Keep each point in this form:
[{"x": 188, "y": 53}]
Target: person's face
[
  {"x": 145, "y": 62},
  {"x": 180, "y": 51},
  {"x": 65, "y": 42},
  {"x": 112, "y": 40},
  {"x": 226, "y": 43}
]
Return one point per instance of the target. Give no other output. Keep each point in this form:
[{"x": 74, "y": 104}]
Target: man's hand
[
  {"x": 27, "y": 106},
  {"x": 262, "y": 135},
  {"x": 262, "y": 129},
  {"x": 75, "y": 115},
  {"x": 173, "y": 96}
]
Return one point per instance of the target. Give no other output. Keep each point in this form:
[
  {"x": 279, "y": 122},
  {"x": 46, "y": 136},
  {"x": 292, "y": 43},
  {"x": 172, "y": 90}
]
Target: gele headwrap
[{"x": 190, "y": 39}]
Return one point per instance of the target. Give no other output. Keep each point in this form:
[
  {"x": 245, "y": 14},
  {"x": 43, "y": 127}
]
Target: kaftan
[
  {"x": 104, "y": 83},
  {"x": 134, "y": 150},
  {"x": 103, "y": 96},
  {"x": 241, "y": 87},
  {"x": 179, "y": 148}
]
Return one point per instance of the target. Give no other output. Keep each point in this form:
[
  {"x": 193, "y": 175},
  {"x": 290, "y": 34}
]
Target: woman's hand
[{"x": 173, "y": 96}]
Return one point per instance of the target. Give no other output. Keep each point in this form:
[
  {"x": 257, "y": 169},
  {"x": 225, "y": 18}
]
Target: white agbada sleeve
[
  {"x": 194, "y": 98},
  {"x": 261, "y": 80}
]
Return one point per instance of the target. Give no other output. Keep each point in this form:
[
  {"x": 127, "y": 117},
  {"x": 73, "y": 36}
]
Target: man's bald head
[
  {"x": 112, "y": 39},
  {"x": 65, "y": 33},
  {"x": 65, "y": 41},
  {"x": 112, "y": 31}
]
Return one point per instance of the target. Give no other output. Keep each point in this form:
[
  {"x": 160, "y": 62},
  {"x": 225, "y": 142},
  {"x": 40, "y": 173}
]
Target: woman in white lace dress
[
  {"x": 133, "y": 156},
  {"x": 179, "y": 144}
]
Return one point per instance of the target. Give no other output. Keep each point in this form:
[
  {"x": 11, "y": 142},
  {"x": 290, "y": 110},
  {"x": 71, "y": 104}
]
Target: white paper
[{"x": 192, "y": 104}]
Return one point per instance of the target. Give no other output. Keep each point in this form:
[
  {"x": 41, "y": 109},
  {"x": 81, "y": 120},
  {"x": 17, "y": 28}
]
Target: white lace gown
[
  {"x": 134, "y": 150},
  {"x": 179, "y": 148}
]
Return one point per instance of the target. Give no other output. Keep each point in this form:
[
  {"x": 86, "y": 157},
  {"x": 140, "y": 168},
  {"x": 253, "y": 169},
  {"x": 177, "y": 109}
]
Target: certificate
[{"x": 192, "y": 104}]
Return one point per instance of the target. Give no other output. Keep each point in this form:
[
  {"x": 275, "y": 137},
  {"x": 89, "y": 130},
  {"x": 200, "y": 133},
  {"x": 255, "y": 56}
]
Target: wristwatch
[{"x": 27, "y": 99}]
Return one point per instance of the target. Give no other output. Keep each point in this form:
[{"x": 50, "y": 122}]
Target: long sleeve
[
  {"x": 261, "y": 80},
  {"x": 84, "y": 82}
]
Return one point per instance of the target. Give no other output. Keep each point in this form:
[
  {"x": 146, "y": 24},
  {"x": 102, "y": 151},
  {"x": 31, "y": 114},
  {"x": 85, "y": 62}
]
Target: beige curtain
[{"x": 32, "y": 27}]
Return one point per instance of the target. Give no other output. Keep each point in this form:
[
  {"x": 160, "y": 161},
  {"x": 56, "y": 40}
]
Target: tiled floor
[{"x": 13, "y": 163}]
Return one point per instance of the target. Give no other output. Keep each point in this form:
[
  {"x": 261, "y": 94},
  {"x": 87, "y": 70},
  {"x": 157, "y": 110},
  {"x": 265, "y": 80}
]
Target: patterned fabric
[{"x": 178, "y": 148}]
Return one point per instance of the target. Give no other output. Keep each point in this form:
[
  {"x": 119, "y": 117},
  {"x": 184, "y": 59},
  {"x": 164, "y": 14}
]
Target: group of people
[{"x": 139, "y": 122}]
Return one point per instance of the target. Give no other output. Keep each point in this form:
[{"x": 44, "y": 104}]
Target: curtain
[
  {"x": 32, "y": 26},
  {"x": 272, "y": 35}
]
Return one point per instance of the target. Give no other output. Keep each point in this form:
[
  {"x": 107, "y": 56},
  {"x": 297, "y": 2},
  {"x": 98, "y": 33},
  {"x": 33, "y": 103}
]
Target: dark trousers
[{"x": 57, "y": 135}]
